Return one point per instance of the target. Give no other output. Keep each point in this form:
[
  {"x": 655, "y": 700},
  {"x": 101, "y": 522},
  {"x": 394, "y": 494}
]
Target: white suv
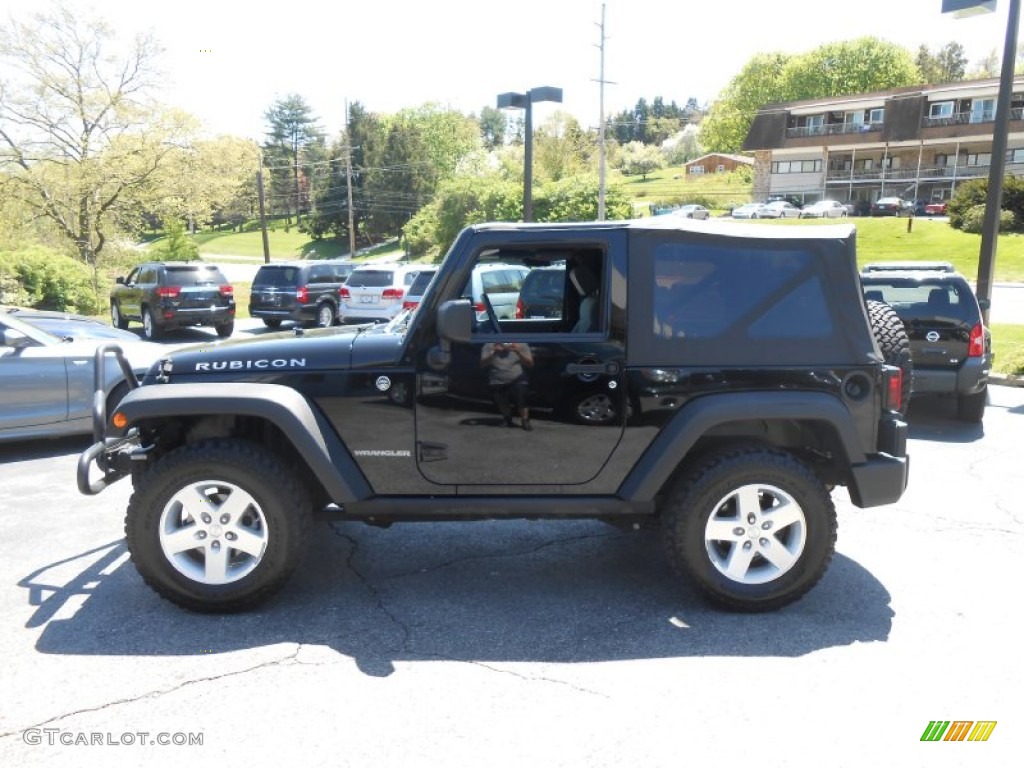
[
  {"x": 374, "y": 292},
  {"x": 501, "y": 283}
]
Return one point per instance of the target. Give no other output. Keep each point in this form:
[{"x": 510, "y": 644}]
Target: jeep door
[{"x": 470, "y": 431}]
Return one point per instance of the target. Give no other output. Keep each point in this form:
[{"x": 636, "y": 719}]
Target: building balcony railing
[
  {"x": 966, "y": 118},
  {"x": 879, "y": 174},
  {"x": 831, "y": 129}
]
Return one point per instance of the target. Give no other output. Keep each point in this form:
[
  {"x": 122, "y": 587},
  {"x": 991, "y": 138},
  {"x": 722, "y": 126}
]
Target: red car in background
[{"x": 936, "y": 209}]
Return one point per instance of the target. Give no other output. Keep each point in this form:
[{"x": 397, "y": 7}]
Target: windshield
[{"x": 37, "y": 334}]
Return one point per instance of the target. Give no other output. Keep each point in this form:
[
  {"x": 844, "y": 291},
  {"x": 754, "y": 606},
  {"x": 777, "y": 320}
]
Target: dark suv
[
  {"x": 305, "y": 292},
  {"x": 165, "y": 296},
  {"x": 950, "y": 345},
  {"x": 542, "y": 293}
]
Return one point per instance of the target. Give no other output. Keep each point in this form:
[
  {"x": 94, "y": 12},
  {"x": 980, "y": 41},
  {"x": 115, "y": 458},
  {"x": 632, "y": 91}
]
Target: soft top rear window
[
  {"x": 185, "y": 275},
  {"x": 370, "y": 278}
]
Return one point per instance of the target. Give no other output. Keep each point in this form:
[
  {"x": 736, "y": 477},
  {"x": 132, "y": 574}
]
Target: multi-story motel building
[{"x": 917, "y": 143}]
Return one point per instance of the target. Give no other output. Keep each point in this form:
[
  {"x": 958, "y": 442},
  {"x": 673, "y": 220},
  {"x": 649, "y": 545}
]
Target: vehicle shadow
[
  {"x": 559, "y": 592},
  {"x": 934, "y": 418},
  {"x": 29, "y": 450}
]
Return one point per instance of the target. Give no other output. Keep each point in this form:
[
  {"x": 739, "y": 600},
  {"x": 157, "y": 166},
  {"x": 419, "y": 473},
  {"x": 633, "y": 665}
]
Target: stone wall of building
[{"x": 762, "y": 174}]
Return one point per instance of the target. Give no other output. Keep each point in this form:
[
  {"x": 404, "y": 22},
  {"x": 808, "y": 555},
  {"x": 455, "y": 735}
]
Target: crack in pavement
[{"x": 157, "y": 694}]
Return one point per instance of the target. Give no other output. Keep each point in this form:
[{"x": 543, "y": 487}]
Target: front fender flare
[{"x": 302, "y": 424}]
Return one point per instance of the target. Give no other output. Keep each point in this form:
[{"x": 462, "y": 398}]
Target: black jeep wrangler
[{"x": 735, "y": 367}]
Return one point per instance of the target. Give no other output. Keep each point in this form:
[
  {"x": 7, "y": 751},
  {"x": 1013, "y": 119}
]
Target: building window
[
  {"x": 1015, "y": 156},
  {"x": 877, "y": 115},
  {"x": 854, "y": 118},
  {"x": 796, "y": 166},
  {"x": 864, "y": 164},
  {"x": 942, "y": 161},
  {"x": 696, "y": 170},
  {"x": 983, "y": 110},
  {"x": 982, "y": 158},
  {"x": 941, "y": 109},
  {"x": 815, "y": 124},
  {"x": 720, "y": 169}
]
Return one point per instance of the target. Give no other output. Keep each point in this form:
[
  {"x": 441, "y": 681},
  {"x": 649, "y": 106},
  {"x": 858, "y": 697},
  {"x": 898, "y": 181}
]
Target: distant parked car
[
  {"x": 67, "y": 325},
  {"x": 950, "y": 345},
  {"x": 747, "y": 211},
  {"x": 824, "y": 209},
  {"x": 418, "y": 287},
  {"x": 164, "y": 296},
  {"x": 892, "y": 206},
  {"x": 858, "y": 207},
  {"x": 374, "y": 292},
  {"x": 779, "y": 209},
  {"x": 542, "y": 294},
  {"x": 936, "y": 208},
  {"x": 692, "y": 211},
  {"x": 47, "y": 384},
  {"x": 305, "y": 292}
]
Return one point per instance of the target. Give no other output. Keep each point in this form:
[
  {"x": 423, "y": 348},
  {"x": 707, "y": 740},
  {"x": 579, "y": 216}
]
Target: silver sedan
[{"x": 46, "y": 382}]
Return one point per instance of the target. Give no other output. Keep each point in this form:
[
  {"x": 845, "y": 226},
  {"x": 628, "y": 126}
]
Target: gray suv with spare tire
[{"x": 739, "y": 363}]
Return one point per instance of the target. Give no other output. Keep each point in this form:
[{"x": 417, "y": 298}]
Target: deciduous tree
[{"x": 79, "y": 133}]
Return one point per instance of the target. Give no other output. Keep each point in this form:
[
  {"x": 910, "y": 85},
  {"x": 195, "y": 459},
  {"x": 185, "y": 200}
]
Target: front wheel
[
  {"x": 752, "y": 526},
  {"x": 217, "y": 525},
  {"x": 116, "y": 318}
]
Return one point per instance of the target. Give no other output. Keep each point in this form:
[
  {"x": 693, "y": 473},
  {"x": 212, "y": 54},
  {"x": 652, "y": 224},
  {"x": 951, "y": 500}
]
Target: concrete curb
[{"x": 1006, "y": 381}]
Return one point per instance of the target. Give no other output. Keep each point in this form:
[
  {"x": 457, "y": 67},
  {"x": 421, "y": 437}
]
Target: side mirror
[
  {"x": 119, "y": 280},
  {"x": 455, "y": 320},
  {"x": 985, "y": 305}
]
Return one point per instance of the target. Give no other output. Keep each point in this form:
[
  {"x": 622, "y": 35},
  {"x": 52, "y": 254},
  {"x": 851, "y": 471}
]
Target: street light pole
[
  {"x": 1000, "y": 129},
  {"x": 993, "y": 204},
  {"x": 525, "y": 101}
]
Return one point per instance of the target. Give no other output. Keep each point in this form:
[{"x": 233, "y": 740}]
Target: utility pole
[
  {"x": 348, "y": 176},
  {"x": 263, "y": 216},
  {"x": 601, "y": 127}
]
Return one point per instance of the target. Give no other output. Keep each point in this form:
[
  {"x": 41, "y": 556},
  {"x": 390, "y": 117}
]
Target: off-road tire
[
  {"x": 806, "y": 527},
  {"x": 971, "y": 408},
  {"x": 278, "y": 501},
  {"x": 891, "y": 335}
]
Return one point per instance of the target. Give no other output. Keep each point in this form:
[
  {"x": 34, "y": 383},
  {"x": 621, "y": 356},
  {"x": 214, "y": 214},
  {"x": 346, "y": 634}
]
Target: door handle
[{"x": 609, "y": 368}]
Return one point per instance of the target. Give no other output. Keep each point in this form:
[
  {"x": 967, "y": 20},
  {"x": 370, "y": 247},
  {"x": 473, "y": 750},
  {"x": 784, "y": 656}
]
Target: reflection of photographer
[{"x": 507, "y": 379}]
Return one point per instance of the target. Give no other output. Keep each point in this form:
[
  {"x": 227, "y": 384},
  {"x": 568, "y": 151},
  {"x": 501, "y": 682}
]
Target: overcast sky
[{"x": 227, "y": 61}]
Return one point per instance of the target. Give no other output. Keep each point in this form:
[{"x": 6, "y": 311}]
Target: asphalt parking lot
[{"x": 524, "y": 643}]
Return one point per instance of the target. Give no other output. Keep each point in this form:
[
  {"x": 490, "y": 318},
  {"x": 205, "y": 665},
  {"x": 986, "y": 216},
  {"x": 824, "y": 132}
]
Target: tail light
[
  {"x": 227, "y": 290},
  {"x": 409, "y": 304},
  {"x": 893, "y": 391},
  {"x": 520, "y": 309},
  {"x": 302, "y": 294},
  {"x": 344, "y": 293},
  {"x": 169, "y": 291},
  {"x": 393, "y": 294},
  {"x": 480, "y": 308},
  {"x": 976, "y": 342}
]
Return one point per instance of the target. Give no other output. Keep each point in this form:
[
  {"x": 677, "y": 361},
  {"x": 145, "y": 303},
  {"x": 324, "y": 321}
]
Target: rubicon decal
[
  {"x": 246, "y": 365},
  {"x": 958, "y": 730}
]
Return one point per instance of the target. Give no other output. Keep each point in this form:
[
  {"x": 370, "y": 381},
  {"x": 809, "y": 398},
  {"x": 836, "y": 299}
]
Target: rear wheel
[
  {"x": 971, "y": 408},
  {"x": 224, "y": 330},
  {"x": 752, "y": 526},
  {"x": 217, "y": 525},
  {"x": 325, "y": 315},
  {"x": 894, "y": 344},
  {"x": 149, "y": 327}
]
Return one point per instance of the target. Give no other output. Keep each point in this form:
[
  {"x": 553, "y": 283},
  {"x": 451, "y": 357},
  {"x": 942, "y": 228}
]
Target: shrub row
[{"x": 42, "y": 278}]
